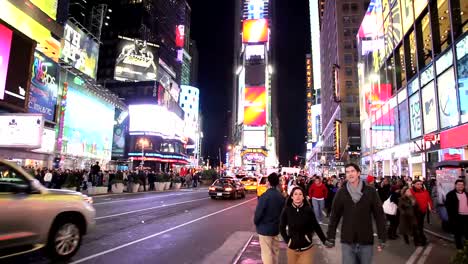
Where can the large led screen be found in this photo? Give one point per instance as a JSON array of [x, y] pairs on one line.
[[88, 125], [43, 90], [120, 131], [255, 106], [80, 50], [255, 31], [137, 60], [5, 45], [180, 36], [47, 6], [462, 63], [21, 130], [31, 28], [255, 74], [429, 108], [407, 14], [403, 116], [378, 95], [254, 139], [447, 99], [415, 116], [155, 120], [371, 30]]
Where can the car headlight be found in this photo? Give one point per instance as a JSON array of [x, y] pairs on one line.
[[88, 199]]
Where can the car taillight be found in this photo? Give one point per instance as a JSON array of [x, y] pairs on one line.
[[228, 189], [212, 188]]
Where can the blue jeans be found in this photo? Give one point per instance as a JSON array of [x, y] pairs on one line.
[[356, 253], [318, 206]]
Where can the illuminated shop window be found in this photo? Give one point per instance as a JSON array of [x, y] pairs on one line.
[[410, 58], [443, 25], [459, 17], [400, 67], [424, 38]]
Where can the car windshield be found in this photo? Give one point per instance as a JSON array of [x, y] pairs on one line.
[[222, 182], [249, 179], [264, 180]]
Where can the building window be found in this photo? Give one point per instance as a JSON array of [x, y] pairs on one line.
[[348, 58], [183, 105], [348, 71], [400, 67], [347, 32], [442, 35], [424, 41], [459, 17], [349, 85], [345, 8], [349, 111], [346, 20], [347, 44], [354, 7], [410, 55]]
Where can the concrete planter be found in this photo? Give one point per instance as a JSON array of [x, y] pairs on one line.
[[176, 186], [134, 187], [100, 190], [159, 186], [142, 189], [167, 185], [118, 187]]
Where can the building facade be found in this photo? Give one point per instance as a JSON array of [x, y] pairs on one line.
[[339, 84], [413, 86]]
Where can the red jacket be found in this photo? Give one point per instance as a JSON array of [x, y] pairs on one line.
[[423, 200], [318, 191]]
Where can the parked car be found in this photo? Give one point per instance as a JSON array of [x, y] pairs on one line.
[[250, 183], [226, 188], [34, 217]]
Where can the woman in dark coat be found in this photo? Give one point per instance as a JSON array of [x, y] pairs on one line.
[[407, 206]]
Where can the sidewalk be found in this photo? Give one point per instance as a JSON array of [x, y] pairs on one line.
[[251, 254]]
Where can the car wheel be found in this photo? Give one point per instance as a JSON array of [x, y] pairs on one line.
[[212, 197], [243, 194], [64, 239], [234, 196]]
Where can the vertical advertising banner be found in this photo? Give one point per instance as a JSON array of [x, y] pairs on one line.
[[80, 50], [137, 60], [43, 90], [415, 116], [337, 140], [309, 96], [255, 106], [5, 45], [180, 36], [120, 130]]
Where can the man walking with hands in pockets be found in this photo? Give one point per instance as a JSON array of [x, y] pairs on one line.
[[357, 204]]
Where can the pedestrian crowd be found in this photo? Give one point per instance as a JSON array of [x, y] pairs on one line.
[[394, 205]]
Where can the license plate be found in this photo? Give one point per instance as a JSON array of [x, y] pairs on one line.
[[219, 194]]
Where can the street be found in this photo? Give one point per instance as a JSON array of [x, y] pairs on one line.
[[188, 227]]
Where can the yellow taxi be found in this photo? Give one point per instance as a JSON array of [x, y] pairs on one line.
[[250, 183], [262, 186]]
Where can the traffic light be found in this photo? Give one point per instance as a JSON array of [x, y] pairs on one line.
[[296, 158]]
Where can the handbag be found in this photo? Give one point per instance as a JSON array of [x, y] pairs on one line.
[[389, 207]]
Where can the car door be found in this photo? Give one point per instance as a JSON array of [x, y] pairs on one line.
[[20, 215]]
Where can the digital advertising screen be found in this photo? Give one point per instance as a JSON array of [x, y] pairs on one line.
[[462, 71], [403, 119], [47, 6], [415, 116], [88, 125], [46, 44], [6, 36], [255, 74], [180, 36], [429, 108], [155, 120], [377, 96], [407, 14], [255, 31], [80, 50], [254, 138], [21, 130], [447, 99], [48, 142], [120, 131], [137, 60], [255, 106], [43, 90]]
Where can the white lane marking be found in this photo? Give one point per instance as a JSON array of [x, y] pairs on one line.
[[159, 233], [144, 198], [239, 255], [414, 256], [150, 208], [425, 254]]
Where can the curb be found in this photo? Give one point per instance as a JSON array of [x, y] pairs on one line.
[[239, 255], [449, 239]]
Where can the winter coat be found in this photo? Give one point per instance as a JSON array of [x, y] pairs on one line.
[[423, 200], [407, 215], [318, 191], [268, 212], [452, 205]]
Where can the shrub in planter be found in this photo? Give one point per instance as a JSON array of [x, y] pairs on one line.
[[117, 186], [159, 182], [462, 255], [177, 183]]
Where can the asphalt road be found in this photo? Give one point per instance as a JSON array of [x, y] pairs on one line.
[[170, 227]]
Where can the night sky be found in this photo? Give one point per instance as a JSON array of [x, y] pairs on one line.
[[212, 26]]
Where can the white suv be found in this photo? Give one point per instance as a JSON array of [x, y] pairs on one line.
[[33, 217]]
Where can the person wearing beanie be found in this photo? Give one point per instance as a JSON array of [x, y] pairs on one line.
[[267, 220]]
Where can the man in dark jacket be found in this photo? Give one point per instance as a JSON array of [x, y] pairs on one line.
[[456, 203], [357, 204], [267, 219]]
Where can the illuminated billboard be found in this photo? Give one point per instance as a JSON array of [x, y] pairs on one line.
[[6, 36], [256, 9], [43, 89], [309, 96], [31, 28], [120, 131], [254, 138], [80, 50], [47, 6], [255, 31], [255, 106], [255, 52], [155, 120], [21, 130], [255, 74], [180, 36], [137, 60], [88, 125]]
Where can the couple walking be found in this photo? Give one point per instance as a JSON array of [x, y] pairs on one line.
[[356, 203]]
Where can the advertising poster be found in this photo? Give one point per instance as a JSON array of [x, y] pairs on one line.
[[429, 108], [403, 116], [5, 45], [407, 14], [21, 130], [255, 106], [447, 99], [415, 116], [462, 63], [120, 131], [80, 50], [137, 60], [43, 90], [88, 125], [445, 179], [255, 31]]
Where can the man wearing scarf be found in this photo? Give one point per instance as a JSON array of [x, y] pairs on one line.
[[357, 203]]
